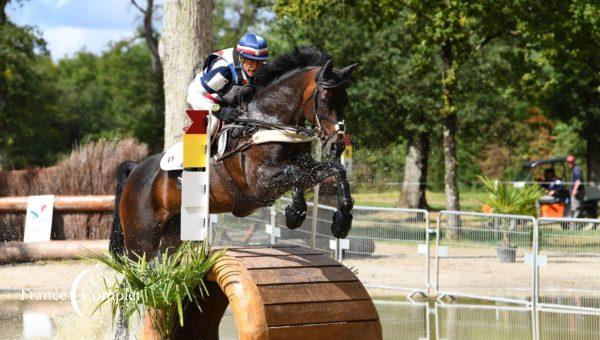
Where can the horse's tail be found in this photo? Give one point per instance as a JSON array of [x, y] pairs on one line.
[[117, 242]]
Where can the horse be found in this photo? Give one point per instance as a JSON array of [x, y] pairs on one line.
[[297, 87]]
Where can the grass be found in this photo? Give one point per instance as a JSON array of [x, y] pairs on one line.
[[162, 285], [469, 200]]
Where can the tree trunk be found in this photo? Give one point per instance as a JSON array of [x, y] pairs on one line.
[[449, 128], [186, 40], [151, 38], [415, 172], [449, 122], [593, 158], [3, 4]]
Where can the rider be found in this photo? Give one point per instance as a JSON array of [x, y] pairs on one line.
[[224, 74]]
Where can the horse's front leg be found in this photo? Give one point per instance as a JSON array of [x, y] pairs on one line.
[[295, 214], [318, 172]]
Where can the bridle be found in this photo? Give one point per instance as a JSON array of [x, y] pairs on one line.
[[317, 129], [322, 85]]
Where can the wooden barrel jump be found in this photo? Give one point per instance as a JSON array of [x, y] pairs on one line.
[[283, 292]]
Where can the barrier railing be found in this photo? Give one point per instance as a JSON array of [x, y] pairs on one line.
[[468, 321], [302, 236], [250, 230], [559, 323], [404, 320], [569, 263], [485, 256], [385, 240], [549, 266]]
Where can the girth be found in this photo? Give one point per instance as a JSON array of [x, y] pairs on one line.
[[243, 202]]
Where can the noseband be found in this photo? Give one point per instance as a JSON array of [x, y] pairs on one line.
[[339, 125]]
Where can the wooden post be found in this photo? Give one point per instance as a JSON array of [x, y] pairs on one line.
[[87, 203]]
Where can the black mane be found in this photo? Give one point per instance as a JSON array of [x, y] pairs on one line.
[[299, 58]]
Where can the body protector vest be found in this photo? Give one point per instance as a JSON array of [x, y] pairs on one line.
[[223, 76]]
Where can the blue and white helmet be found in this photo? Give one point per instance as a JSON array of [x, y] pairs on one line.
[[253, 46]]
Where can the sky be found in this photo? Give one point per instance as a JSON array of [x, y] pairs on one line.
[[70, 25]]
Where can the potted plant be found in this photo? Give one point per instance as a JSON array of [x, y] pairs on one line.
[[505, 198], [161, 285]]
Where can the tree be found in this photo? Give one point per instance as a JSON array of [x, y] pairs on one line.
[[3, 18], [565, 45], [445, 35], [186, 40], [233, 18], [26, 96], [151, 37]]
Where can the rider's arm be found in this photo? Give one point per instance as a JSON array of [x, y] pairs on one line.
[[217, 81], [207, 87]]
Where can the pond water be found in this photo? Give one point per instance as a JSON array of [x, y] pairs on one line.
[[24, 318]]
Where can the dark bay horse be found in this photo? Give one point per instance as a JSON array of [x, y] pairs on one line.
[[295, 88]]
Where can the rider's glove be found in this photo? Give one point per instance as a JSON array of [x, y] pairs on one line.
[[227, 114]]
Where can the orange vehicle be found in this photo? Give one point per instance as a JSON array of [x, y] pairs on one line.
[[552, 175]]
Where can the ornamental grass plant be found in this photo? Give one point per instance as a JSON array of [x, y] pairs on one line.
[[505, 198], [162, 285]]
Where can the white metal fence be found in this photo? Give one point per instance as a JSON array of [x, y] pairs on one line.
[[548, 267], [569, 263], [390, 247], [404, 320], [485, 256], [470, 321]]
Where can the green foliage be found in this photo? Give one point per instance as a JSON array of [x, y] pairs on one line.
[[505, 58], [26, 96], [111, 94], [568, 140], [47, 108], [232, 18], [162, 285], [565, 45], [505, 198]]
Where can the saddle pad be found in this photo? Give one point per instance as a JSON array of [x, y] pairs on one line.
[[173, 157], [279, 136]]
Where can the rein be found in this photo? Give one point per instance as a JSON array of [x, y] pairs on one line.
[[257, 124]]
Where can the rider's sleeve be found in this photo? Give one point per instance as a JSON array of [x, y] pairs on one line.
[[208, 86], [218, 80]]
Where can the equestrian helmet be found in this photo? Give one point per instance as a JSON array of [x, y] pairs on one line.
[[253, 46]]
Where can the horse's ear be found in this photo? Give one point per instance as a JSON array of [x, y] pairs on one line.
[[347, 71], [324, 71]]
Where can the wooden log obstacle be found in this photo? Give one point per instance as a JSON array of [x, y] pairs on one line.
[[282, 292]]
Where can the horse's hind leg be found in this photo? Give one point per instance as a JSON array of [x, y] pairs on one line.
[[171, 236], [271, 177], [295, 214], [143, 235]]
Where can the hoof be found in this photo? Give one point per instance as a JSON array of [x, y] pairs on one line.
[[341, 224], [347, 207], [294, 218]]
